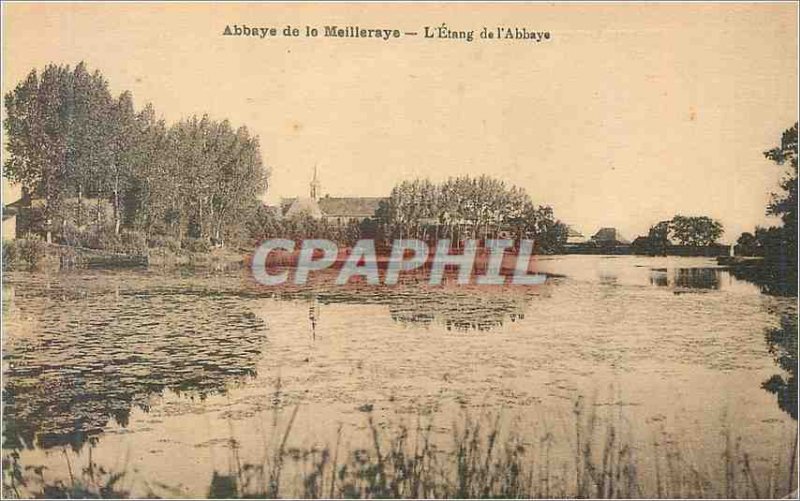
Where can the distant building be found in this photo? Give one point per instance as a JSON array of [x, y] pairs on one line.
[[609, 237], [26, 216], [333, 209], [574, 236], [22, 217], [10, 213], [301, 206], [641, 245], [344, 209]]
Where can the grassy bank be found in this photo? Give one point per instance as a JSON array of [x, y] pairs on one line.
[[597, 458], [33, 254]]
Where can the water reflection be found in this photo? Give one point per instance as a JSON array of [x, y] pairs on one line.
[[95, 356], [659, 277], [412, 302], [697, 278], [782, 344], [771, 280], [459, 308], [97, 352], [460, 312], [687, 278]]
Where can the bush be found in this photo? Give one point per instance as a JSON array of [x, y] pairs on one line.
[[164, 242], [10, 252], [101, 237], [132, 241], [72, 235], [200, 245], [24, 253]]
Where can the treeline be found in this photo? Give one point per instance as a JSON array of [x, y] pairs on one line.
[[687, 231], [95, 171], [466, 207], [458, 209], [91, 162]]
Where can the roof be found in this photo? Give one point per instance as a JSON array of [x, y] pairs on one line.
[[303, 205], [572, 232], [274, 210], [361, 207], [285, 204], [609, 235], [11, 210], [17, 204]]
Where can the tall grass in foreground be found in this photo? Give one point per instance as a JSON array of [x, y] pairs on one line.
[[483, 461], [595, 456]]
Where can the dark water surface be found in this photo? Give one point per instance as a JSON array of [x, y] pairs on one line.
[[157, 373]]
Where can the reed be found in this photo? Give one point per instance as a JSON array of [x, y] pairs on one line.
[[598, 457], [483, 460]]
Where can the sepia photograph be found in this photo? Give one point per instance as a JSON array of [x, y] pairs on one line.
[[404, 250]]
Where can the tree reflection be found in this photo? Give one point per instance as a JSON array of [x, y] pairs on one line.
[[460, 312], [772, 280], [686, 278], [697, 278], [460, 308], [98, 357], [782, 343]]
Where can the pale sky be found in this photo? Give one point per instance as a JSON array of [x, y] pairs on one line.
[[627, 116]]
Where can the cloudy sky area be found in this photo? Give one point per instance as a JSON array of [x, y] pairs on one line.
[[629, 115]]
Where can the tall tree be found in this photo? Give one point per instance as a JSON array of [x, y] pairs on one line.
[[785, 204], [36, 127], [466, 207], [240, 178], [56, 130], [659, 238], [67, 137], [780, 244], [695, 231], [123, 137]]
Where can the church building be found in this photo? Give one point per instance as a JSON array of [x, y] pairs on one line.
[[332, 209]]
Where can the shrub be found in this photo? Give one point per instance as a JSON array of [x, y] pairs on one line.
[[200, 245], [9, 254], [164, 242], [133, 241], [72, 235], [101, 237], [22, 253]]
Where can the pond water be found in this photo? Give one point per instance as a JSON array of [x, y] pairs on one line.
[[159, 374]]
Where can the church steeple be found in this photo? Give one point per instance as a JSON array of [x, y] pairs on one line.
[[315, 185]]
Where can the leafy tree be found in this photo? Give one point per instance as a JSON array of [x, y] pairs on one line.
[[68, 137], [778, 245], [659, 238], [36, 125], [785, 204], [780, 249], [747, 245], [695, 231], [122, 140], [148, 197], [466, 207]]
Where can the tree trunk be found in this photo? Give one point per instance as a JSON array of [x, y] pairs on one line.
[[116, 203], [79, 217], [48, 219]]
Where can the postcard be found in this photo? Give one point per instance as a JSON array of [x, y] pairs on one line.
[[399, 250]]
